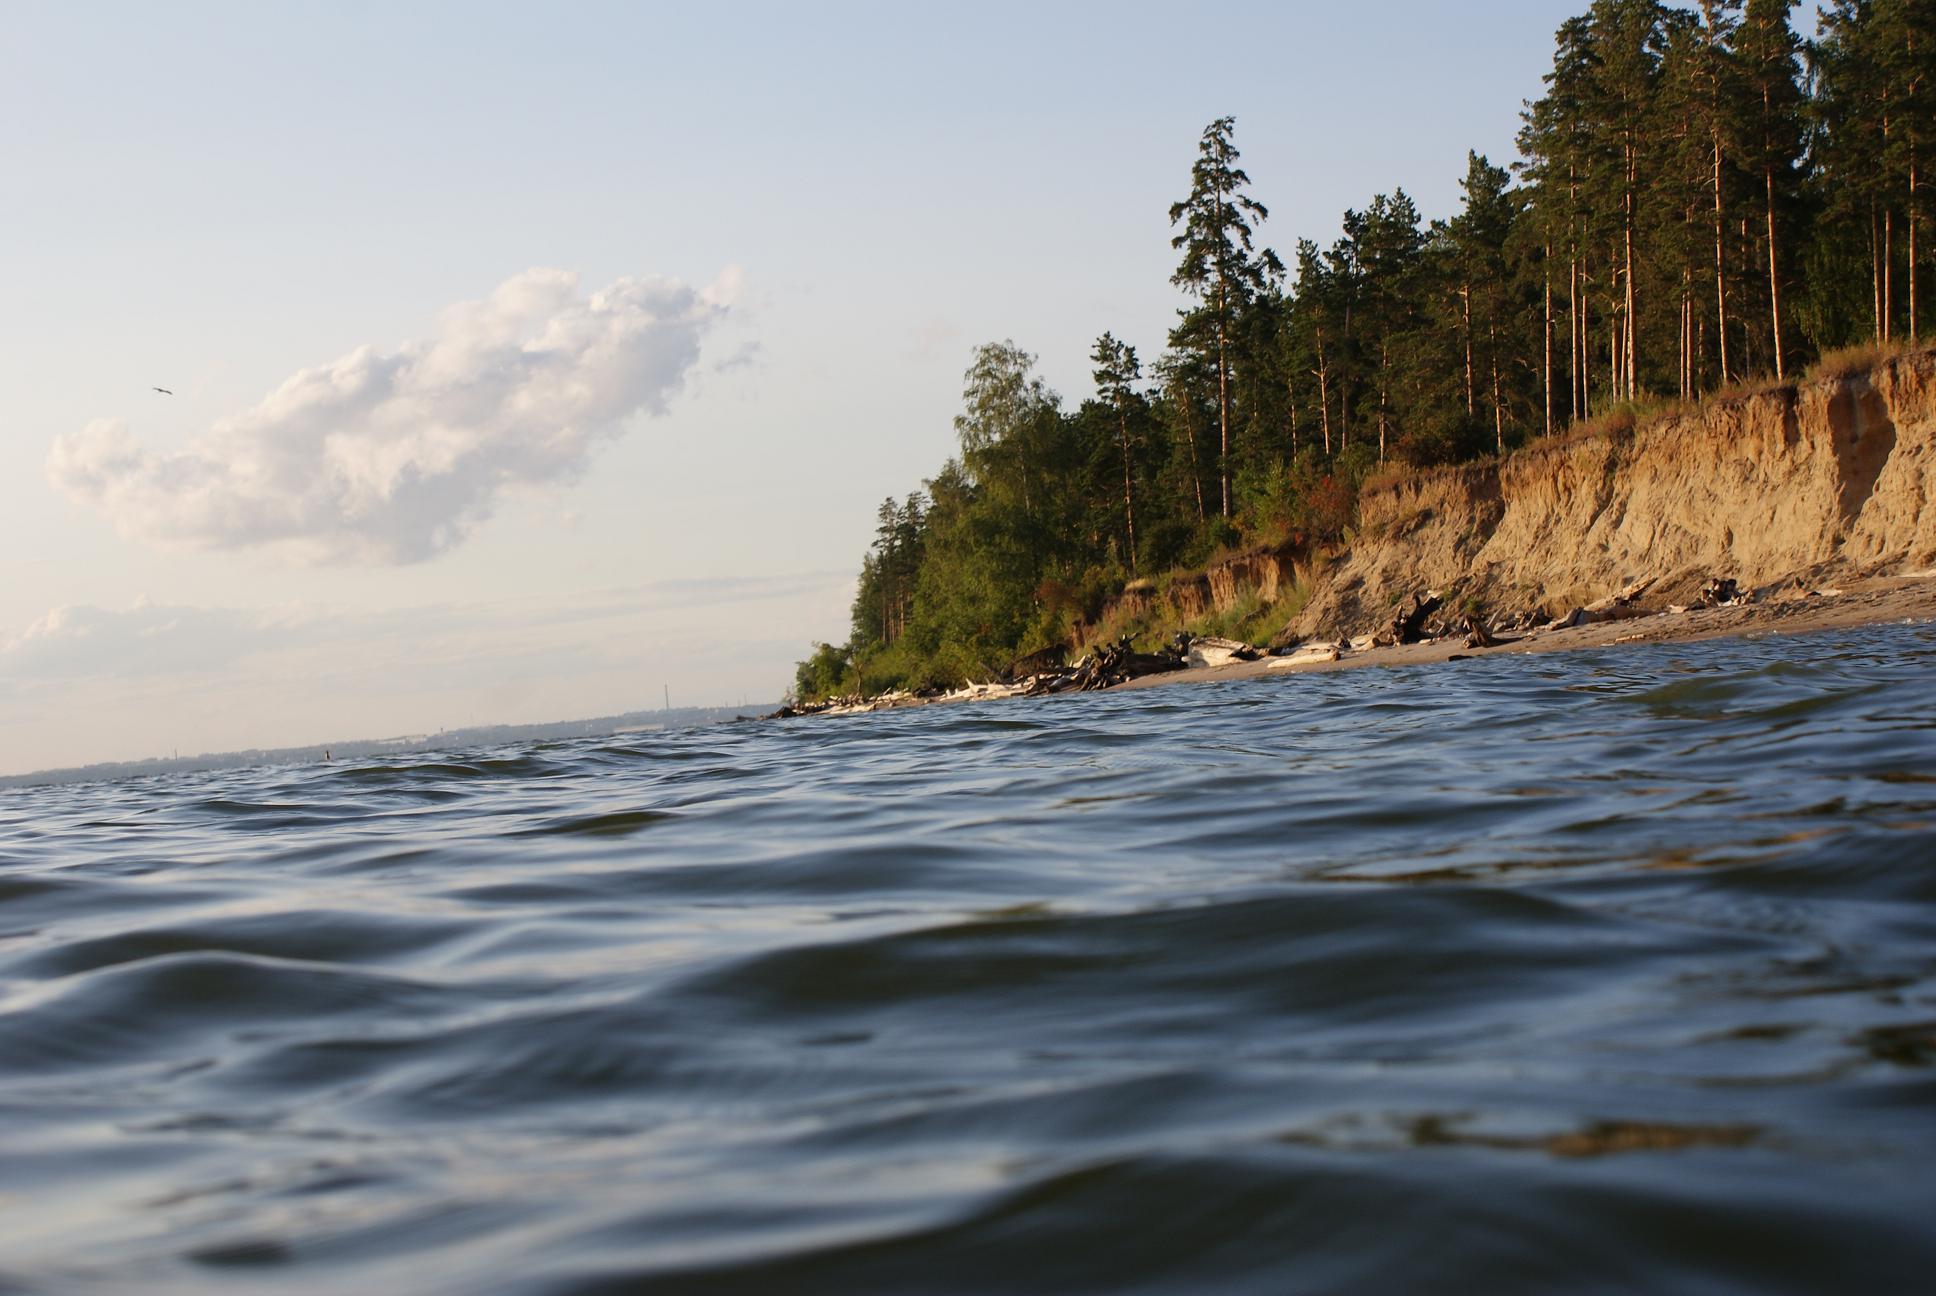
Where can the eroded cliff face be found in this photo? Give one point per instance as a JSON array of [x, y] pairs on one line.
[[1266, 573], [1813, 482]]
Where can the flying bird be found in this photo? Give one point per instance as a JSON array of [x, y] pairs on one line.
[[163, 390]]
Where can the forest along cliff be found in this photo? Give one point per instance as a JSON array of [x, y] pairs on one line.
[[1589, 374], [1814, 482]]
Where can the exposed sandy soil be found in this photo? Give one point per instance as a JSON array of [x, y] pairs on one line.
[[1821, 481], [1872, 601]]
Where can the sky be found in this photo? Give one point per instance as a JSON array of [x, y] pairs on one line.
[[532, 361]]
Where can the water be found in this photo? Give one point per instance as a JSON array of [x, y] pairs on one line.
[[1594, 971]]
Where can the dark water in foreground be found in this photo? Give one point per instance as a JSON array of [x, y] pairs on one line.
[[1593, 971]]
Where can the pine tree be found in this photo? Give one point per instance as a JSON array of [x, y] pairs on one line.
[[886, 533], [1714, 75], [1767, 51], [1904, 39], [1478, 237], [1854, 116], [1385, 244], [1116, 373], [908, 545], [1181, 373], [1627, 38], [1558, 139], [1313, 307], [1220, 266]]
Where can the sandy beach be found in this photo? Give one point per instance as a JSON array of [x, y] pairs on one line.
[[1873, 600]]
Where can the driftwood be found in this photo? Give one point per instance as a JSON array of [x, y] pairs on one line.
[[1210, 651], [1408, 623], [1720, 592], [1108, 665], [1041, 661], [1308, 654]]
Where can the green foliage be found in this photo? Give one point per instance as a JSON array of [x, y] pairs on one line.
[[827, 672], [1692, 208]]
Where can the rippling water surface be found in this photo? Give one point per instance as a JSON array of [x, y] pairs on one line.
[[1592, 970]]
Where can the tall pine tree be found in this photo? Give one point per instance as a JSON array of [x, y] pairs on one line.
[[1220, 267]]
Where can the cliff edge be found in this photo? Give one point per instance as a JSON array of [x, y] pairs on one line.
[[1813, 481]]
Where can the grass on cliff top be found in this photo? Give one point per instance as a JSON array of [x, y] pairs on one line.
[[1865, 358], [1628, 416]]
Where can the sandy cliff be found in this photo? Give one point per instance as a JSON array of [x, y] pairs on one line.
[[1817, 481]]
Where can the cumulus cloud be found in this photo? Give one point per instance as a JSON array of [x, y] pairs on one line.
[[394, 456]]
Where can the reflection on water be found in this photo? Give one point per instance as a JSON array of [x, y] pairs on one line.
[[1598, 971]]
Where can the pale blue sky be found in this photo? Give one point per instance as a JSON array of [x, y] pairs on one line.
[[215, 197]]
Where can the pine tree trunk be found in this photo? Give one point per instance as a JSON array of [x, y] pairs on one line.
[[1616, 334], [1690, 360], [1196, 469], [1498, 414], [1465, 307], [1344, 392], [1720, 265], [1586, 343], [1546, 340], [1912, 248], [1750, 359], [1875, 268], [1129, 503], [1633, 291], [1384, 395], [1914, 139], [1681, 339], [1888, 245], [1700, 353], [1683, 326], [1774, 283], [1888, 272], [1575, 348], [1324, 394], [1572, 341], [1223, 406], [1629, 368], [1223, 372]]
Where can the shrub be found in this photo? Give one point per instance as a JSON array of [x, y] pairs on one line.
[[827, 672], [1846, 362]]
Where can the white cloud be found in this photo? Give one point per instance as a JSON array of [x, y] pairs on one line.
[[394, 457]]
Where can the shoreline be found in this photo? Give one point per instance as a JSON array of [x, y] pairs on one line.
[[1779, 609], [1872, 600]]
